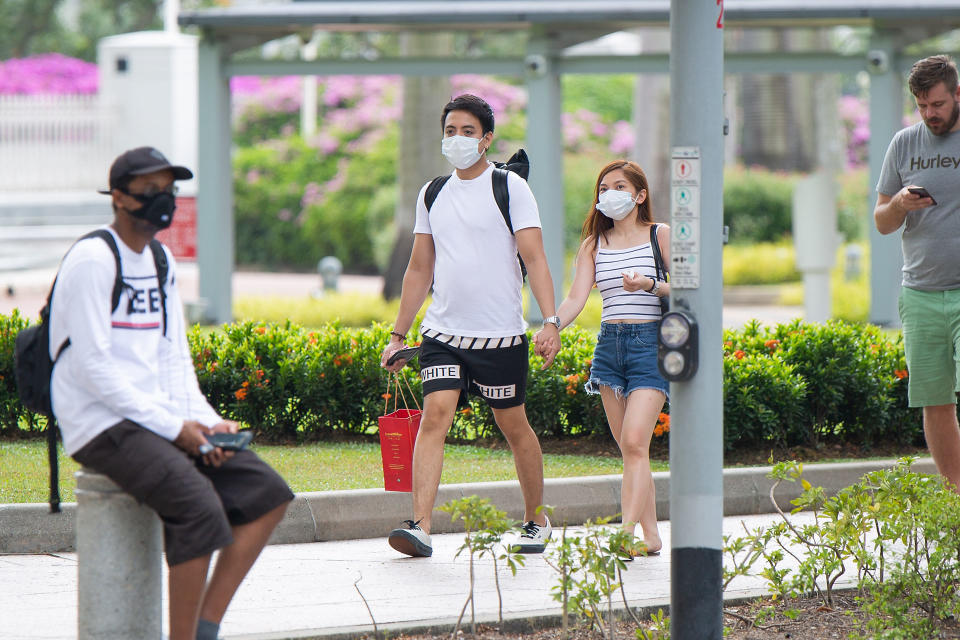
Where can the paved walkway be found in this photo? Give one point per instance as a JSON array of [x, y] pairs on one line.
[[307, 590]]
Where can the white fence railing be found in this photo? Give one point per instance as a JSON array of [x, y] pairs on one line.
[[54, 142]]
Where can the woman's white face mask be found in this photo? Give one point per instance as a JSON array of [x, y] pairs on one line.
[[460, 151], [616, 205]]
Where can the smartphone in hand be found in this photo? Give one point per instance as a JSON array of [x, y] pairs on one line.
[[231, 441], [407, 353], [920, 191]]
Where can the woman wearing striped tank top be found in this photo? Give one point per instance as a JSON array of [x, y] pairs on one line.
[[617, 257]]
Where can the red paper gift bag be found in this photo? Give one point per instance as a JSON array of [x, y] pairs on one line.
[[398, 433]]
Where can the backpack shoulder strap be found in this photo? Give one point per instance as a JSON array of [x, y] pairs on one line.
[[107, 237], [433, 190], [502, 195], [53, 463], [163, 269]]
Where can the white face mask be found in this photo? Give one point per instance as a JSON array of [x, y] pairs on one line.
[[461, 151], [616, 205]]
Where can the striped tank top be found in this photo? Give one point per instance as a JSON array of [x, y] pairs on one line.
[[619, 304]]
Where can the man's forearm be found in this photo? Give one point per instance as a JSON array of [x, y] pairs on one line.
[[889, 217], [416, 285], [541, 285]]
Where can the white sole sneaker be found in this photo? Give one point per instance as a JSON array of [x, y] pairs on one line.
[[412, 542], [533, 539]]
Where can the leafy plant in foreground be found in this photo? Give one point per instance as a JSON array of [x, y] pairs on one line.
[[485, 526]]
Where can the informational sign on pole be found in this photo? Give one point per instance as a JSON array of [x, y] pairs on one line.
[[685, 214]]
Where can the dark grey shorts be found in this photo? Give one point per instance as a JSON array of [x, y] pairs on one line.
[[197, 503]]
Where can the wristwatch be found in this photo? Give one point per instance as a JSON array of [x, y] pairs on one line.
[[655, 288], [554, 320]]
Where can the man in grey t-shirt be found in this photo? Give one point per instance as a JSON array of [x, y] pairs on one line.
[[919, 190]]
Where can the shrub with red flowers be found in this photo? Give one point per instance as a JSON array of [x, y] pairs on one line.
[[805, 383], [786, 385]]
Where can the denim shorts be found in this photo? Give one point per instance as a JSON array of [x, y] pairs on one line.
[[625, 359]]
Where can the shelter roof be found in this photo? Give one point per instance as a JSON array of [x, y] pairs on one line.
[[608, 15]]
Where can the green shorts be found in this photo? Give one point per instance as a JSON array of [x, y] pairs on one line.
[[931, 341]]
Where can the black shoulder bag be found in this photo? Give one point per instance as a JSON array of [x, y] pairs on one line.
[[660, 267]]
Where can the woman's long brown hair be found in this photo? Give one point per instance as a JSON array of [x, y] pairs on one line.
[[596, 223]]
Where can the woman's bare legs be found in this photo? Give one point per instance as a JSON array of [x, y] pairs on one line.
[[632, 421]]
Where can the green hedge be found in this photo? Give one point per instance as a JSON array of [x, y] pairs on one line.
[[793, 384]]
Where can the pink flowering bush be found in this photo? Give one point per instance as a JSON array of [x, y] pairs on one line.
[[300, 199], [855, 117], [48, 73]]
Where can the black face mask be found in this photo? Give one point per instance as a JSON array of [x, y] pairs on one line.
[[157, 209]]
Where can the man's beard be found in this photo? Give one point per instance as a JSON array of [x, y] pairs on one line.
[[945, 127]]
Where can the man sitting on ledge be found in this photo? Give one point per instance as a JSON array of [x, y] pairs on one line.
[[125, 394]]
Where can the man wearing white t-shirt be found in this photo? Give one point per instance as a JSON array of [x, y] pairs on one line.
[[474, 334], [125, 394]]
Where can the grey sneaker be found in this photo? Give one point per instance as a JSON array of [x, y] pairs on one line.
[[411, 540], [534, 537]]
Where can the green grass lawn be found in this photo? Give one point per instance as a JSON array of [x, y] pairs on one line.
[[311, 467]]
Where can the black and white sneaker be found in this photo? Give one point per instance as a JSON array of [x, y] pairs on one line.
[[411, 540], [534, 537]]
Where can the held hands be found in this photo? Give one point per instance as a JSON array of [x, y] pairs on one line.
[[547, 343], [192, 439], [633, 281]]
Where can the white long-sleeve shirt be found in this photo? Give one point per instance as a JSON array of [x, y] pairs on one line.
[[120, 365]]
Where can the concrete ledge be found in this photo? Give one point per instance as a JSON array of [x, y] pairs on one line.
[[370, 513], [31, 528]]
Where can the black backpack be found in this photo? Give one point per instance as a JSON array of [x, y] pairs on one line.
[[519, 163], [33, 365]]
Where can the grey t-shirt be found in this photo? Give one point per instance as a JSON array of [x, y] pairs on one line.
[[931, 236]]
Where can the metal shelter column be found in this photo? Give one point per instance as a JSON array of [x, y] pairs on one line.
[[696, 405], [545, 145], [215, 242], [886, 118]]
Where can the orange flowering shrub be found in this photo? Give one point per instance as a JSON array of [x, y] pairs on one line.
[[804, 383], [795, 383], [663, 425]]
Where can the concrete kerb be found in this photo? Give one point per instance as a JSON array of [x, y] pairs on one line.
[[370, 513], [525, 622]]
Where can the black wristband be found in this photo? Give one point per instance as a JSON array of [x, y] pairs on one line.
[[653, 286], [399, 335]]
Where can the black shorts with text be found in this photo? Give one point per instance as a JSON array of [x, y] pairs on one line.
[[498, 375]]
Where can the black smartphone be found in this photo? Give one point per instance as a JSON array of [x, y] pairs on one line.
[[920, 191], [231, 441], [407, 353]]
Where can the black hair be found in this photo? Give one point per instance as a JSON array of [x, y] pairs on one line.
[[473, 105]]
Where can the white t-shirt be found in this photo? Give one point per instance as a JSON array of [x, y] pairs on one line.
[[120, 366], [476, 275]]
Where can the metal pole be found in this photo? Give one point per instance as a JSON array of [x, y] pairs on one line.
[[696, 406], [171, 9], [214, 185], [886, 116], [119, 572], [544, 143]]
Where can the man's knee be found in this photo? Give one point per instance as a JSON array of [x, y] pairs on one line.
[[439, 409], [200, 528], [512, 419], [940, 416]]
